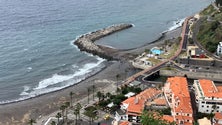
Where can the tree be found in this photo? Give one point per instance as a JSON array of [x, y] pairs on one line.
[[31, 121], [149, 118], [117, 79], [91, 113], [71, 97], [62, 108], [58, 115], [108, 94], [93, 88], [88, 90], [53, 123], [99, 95], [76, 112], [67, 104], [78, 106]]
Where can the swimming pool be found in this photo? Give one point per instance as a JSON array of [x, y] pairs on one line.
[[156, 51]]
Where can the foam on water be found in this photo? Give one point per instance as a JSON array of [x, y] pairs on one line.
[[57, 82], [176, 24]]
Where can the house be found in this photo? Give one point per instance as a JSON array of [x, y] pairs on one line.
[[178, 98], [218, 118], [208, 96], [195, 52], [132, 108], [219, 49]]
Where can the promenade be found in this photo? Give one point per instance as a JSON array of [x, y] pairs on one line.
[[148, 70]]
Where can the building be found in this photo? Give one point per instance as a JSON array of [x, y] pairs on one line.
[[195, 52], [132, 108], [217, 119], [178, 98], [208, 96], [219, 49]]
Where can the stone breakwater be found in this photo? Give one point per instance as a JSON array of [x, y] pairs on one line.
[[86, 42]]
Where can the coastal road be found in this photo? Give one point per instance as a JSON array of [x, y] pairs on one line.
[[154, 68]]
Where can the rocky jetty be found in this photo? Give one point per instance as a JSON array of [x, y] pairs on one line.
[[86, 42]]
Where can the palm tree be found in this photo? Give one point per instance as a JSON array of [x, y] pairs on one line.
[[58, 115], [117, 79], [108, 94], [67, 104], [62, 108], [99, 95], [53, 123], [71, 96], [88, 90], [93, 88], [78, 106], [76, 112], [31, 121]]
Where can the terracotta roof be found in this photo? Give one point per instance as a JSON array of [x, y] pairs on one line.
[[179, 88], [168, 118], [218, 116], [148, 93], [209, 89], [124, 123], [219, 88], [136, 103]]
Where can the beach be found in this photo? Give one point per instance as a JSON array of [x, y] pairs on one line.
[[41, 107]]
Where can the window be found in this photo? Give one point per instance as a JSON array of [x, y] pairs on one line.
[[187, 114], [218, 107], [207, 106], [177, 113], [202, 106], [207, 110]]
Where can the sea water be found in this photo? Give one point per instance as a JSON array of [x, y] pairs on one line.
[[36, 51]]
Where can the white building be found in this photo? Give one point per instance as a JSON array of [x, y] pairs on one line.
[[208, 96], [219, 49]]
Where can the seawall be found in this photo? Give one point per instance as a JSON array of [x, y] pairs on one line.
[[86, 42]]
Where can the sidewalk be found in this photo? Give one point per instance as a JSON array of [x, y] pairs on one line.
[[84, 102]]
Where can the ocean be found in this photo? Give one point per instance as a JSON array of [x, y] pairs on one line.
[[37, 54]]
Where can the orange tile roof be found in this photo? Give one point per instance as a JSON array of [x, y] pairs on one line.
[[148, 93], [160, 101], [124, 123], [179, 88], [209, 89], [168, 118], [218, 116], [136, 103], [219, 88]]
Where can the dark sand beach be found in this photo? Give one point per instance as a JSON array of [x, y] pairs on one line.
[[41, 107]]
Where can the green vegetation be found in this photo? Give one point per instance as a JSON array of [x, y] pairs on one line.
[[150, 118], [210, 32], [208, 10]]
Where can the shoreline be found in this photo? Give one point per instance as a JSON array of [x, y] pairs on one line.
[[47, 103]]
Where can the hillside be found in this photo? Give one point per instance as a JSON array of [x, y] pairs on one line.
[[210, 30]]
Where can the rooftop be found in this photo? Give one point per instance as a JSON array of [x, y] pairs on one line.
[[218, 115], [180, 90], [209, 89], [168, 118]]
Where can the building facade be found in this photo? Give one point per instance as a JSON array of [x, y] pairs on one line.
[[177, 95], [208, 96], [219, 49]]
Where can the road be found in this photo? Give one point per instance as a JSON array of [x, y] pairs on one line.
[[154, 68]]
